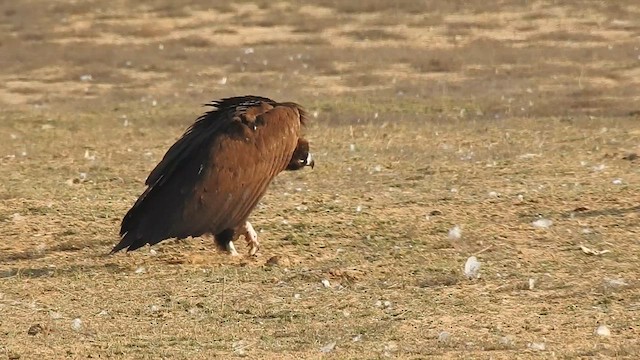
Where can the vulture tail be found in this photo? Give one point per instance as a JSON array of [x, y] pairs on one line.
[[156, 216]]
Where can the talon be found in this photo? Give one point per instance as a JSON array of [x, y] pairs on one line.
[[254, 249]]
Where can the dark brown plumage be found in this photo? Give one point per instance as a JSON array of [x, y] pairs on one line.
[[210, 180]]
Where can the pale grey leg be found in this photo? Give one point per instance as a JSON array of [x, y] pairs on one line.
[[251, 236], [232, 249]]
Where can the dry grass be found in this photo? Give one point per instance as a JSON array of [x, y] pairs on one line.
[[483, 116]]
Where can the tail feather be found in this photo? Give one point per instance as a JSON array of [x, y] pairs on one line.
[[156, 215]]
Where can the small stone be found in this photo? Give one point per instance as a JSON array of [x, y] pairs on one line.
[[16, 217], [326, 283], [239, 348], [278, 261], [35, 329], [602, 330], [444, 337], [55, 315], [76, 324], [389, 348], [328, 347], [472, 268], [590, 251], [542, 223], [140, 270], [455, 233], [537, 346], [532, 284], [615, 283]]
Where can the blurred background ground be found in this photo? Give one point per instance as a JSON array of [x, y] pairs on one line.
[[516, 121]]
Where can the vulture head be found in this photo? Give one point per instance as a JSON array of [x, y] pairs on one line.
[[301, 156]]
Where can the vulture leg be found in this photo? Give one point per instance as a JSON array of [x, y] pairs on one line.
[[224, 240], [251, 237], [232, 249]]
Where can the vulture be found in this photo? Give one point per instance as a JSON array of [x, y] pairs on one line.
[[211, 179]]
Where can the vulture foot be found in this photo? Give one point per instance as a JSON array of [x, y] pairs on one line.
[[251, 236]]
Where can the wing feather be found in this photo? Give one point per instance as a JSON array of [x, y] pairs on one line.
[[200, 133]]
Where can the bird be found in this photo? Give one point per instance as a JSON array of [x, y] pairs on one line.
[[211, 178]]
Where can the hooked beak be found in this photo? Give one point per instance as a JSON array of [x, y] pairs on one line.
[[310, 161]]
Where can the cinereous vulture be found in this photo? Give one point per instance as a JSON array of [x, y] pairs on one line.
[[210, 180]]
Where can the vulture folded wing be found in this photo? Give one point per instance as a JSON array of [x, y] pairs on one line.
[[241, 169], [193, 140], [200, 133]]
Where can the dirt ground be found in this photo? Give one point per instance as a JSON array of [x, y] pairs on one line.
[[506, 130]]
